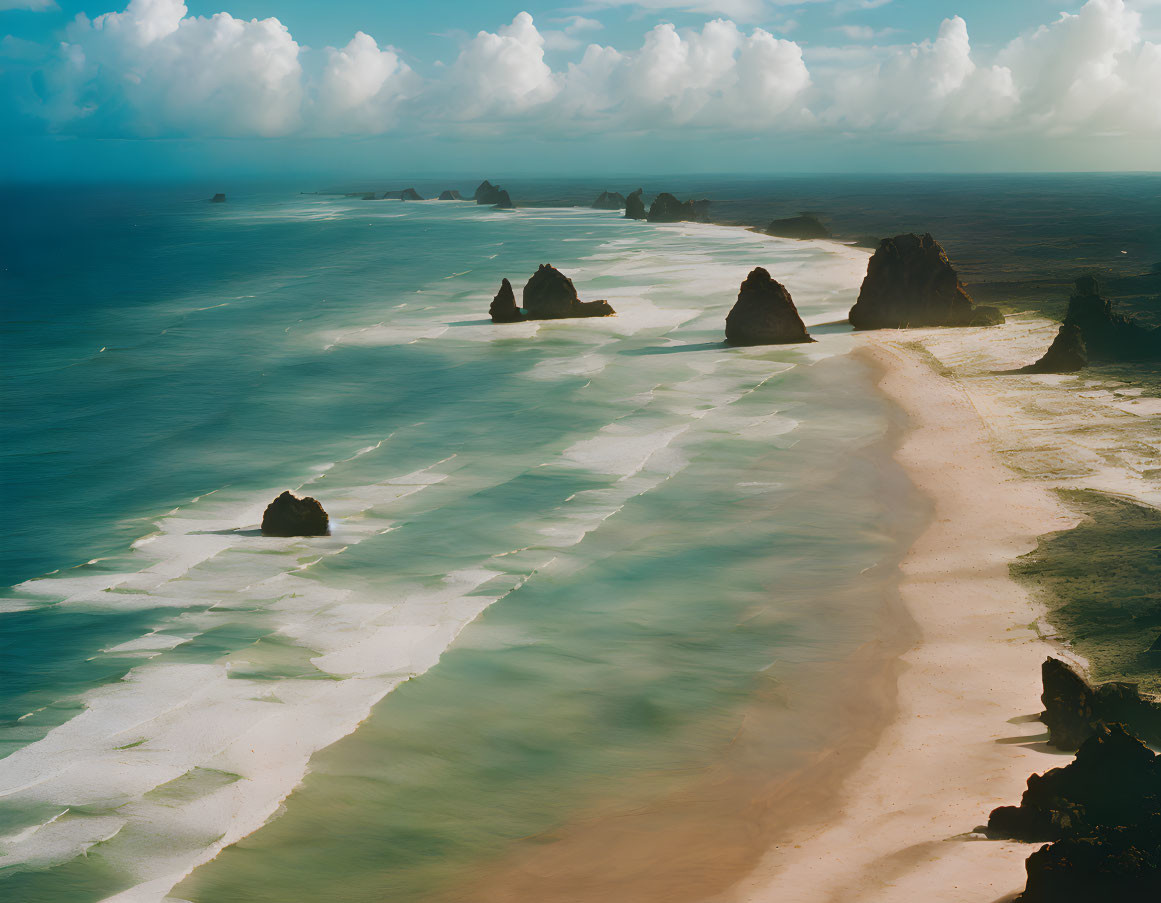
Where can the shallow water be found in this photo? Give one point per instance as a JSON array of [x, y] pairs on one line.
[[644, 529]]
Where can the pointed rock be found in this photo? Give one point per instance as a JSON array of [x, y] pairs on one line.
[[504, 309], [1066, 354], [550, 295], [450, 194], [503, 201], [764, 314], [635, 206], [609, 201]]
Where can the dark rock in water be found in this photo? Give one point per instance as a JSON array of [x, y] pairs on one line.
[[635, 206], [504, 309], [1114, 863], [450, 194], [804, 226], [407, 194], [370, 196], [1074, 709], [986, 316], [550, 295], [487, 193], [289, 515], [1108, 335], [1114, 781], [668, 209], [910, 282], [764, 314], [1066, 354], [503, 202], [218, 199], [609, 201]]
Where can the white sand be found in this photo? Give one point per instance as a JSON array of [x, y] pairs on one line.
[[962, 742]]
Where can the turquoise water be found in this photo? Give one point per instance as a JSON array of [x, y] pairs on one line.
[[566, 559]]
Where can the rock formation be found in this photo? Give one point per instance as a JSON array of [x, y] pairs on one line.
[[609, 201], [1108, 335], [986, 316], [803, 226], [1074, 709], [370, 196], [406, 194], [1103, 812], [550, 295], [503, 201], [487, 193], [218, 198], [764, 314], [668, 209], [635, 206], [910, 282], [504, 309], [289, 515], [1066, 354], [450, 194]]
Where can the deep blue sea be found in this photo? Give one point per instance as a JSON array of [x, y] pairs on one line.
[[568, 559]]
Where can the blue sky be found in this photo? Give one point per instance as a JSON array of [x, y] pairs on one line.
[[162, 88]]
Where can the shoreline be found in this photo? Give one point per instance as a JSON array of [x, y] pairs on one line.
[[965, 737]]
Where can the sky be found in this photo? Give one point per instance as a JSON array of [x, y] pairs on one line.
[[116, 89]]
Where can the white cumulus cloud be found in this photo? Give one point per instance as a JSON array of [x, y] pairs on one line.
[[362, 88]]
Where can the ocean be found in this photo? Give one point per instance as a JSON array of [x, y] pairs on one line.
[[571, 562]]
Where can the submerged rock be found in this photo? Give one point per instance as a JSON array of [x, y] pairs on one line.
[[804, 226], [910, 282], [1066, 354], [450, 194], [487, 193], [609, 201], [550, 295], [290, 515], [764, 314], [504, 309], [503, 202], [218, 198], [635, 206], [668, 209], [1074, 709]]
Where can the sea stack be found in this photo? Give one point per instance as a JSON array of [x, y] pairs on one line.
[[764, 314], [1066, 354], [609, 201], [407, 194], [503, 201], [668, 209], [450, 194], [504, 309], [550, 295], [802, 227], [218, 198], [487, 194], [290, 515], [635, 206], [910, 282], [1108, 335]]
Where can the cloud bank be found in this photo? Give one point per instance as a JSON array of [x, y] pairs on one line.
[[154, 70]]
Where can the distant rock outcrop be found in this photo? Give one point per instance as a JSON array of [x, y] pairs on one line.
[[1108, 335], [1074, 709], [550, 295], [289, 515], [910, 282], [986, 316], [804, 226], [504, 309], [764, 314], [668, 209], [503, 201], [487, 193], [406, 194], [609, 201], [1066, 354], [218, 198], [370, 196], [1103, 812], [635, 206], [450, 194]]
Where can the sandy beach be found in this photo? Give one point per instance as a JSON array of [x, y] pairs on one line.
[[965, 738]]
